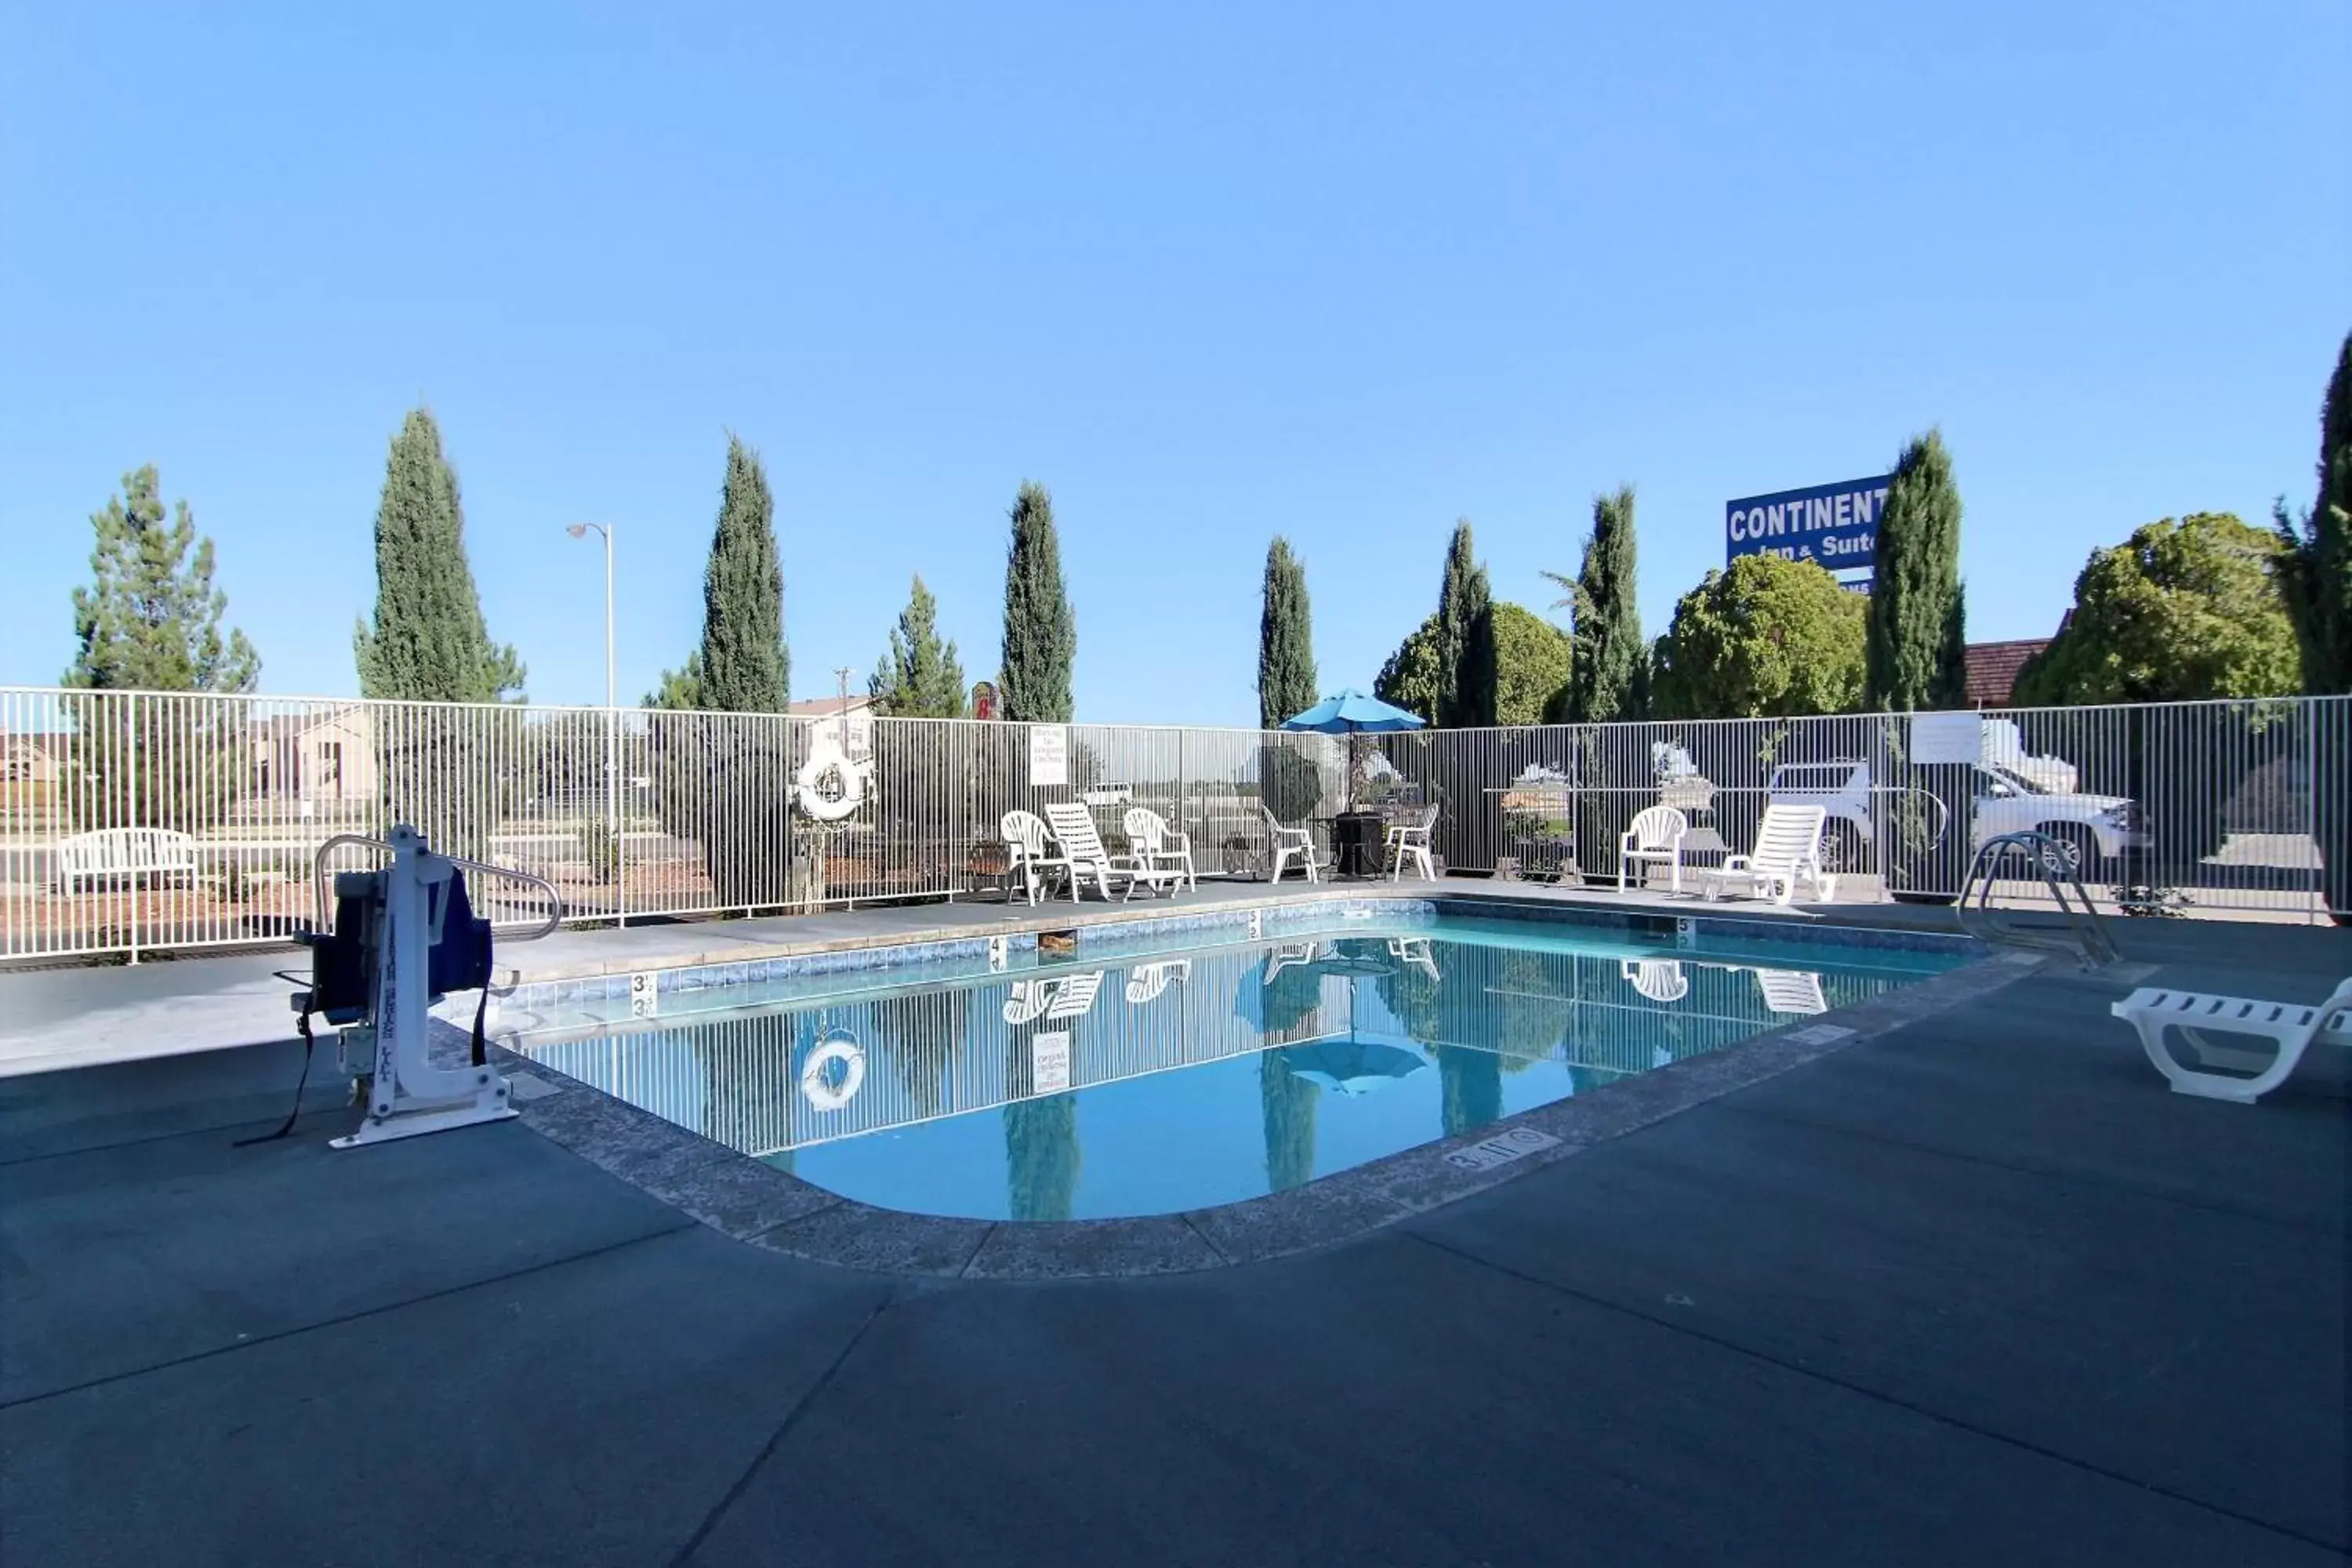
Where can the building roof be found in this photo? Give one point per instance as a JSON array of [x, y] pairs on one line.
[[827, 706], [1992, 668]]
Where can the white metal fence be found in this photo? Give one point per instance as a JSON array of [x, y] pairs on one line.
[[135, 821]]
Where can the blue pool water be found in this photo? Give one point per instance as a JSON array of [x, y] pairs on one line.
[[1178, 1080]]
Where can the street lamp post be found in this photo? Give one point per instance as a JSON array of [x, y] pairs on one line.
[[612, 721]]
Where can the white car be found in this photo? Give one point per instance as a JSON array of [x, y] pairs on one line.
[[2099, 827]]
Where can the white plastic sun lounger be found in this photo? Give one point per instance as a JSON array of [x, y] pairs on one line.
[[1074, 830], [1064, 997], [2291, 1029], [1145, 981], [1787, 853]]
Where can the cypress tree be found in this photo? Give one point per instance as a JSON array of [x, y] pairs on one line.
[[2316, 569], [150, 620], [1609, 673], [1915, 652], [920, 676], [1285, 639], [1040, 634], [1464, 643], [1286, 1107], [428, 642], [746, 667]]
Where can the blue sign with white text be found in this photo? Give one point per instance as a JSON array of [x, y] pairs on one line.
[[1836, 526]]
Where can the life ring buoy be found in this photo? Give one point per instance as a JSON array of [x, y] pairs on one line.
[[816, 1083], [827, 758]]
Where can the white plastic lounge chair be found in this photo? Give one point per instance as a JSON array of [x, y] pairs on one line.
[[1288, 954], [1788, 853], [1409, 840], [1064, 997], [1074, 830], [1791, 991], [1655, 838], [1035, 859], [1145, 981], [1153, 846], [2292, 1029], [1289, 843], [1657, 979]]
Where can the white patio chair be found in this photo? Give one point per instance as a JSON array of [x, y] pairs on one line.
[[1034, 857], [1414, 950], [1657, 979], [1655, 838], [1791, 991], [1064, 997], [1290, 843], [1287, 955], [2291, 1029], [1787, 853], [1074, 830], [1154, 846], [1409, 840], [1145, 981]]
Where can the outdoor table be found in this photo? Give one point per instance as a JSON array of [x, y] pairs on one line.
[[1357, 839]]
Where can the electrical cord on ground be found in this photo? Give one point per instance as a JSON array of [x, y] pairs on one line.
[[302, 1026]]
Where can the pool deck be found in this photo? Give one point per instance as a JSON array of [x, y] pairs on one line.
[[1974, 1289]]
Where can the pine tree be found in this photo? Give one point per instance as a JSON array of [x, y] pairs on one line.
[[1465, 637], [920, 676], [1609, 675], [1040, 634], [428, 642], [746, 667], [150, 618], [1285, 639], [2316, 569], [1916, 648]]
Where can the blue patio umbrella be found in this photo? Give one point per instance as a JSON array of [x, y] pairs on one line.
[[1352, 1067], [1351, 712]]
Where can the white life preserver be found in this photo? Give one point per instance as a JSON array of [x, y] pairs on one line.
[[826, 757], [822, 1093]]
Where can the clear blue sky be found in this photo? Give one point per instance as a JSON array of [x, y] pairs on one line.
[[1210, 272]]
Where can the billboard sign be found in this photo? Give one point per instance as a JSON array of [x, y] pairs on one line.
[[1836, 526]]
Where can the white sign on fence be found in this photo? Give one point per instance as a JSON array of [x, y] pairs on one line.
[[1049, 756], [644, 995], [1946, 738], [1049, 1062]]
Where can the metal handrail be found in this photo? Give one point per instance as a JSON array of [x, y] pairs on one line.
[[532, 933], [2086, 936]]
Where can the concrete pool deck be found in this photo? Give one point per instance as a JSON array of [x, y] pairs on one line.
[[1975, 1289]]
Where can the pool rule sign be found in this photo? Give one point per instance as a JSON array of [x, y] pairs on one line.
[[1834, 526]]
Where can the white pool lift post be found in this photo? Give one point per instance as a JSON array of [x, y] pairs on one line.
[[402, 912]]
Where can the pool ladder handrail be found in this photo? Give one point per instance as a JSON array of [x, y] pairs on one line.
[[2086, 936], [320, 878]]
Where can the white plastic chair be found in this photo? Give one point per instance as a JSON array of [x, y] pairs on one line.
[[1145, 981], [1655, 838], [1152, 846], [2292, 1029], [1409, 840], [1787, 852], [1791, 991], [1656, 979], [1064, 997], [1290, 843], [1074, 830], [1026, 840], [1414, 950]]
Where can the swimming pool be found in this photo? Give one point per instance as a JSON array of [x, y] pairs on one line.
[[1135, 1078]]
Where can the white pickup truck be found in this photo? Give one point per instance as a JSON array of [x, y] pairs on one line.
[[2099, 827]]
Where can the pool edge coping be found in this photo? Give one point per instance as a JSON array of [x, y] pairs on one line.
[[755, 1202]]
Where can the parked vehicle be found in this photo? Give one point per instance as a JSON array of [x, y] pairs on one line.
[[2098, 827]]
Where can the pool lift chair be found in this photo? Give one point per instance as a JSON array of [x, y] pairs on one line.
[[401, 938]]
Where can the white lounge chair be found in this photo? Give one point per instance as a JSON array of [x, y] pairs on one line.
[[1655, 979], [1409, 840], [1074, 830], [1787, 855], [1413, 951], [1290, 843], [1064, 997], [1655, 838], [1145, 981], [1795, 991], [1153, 846], [2292, 1029], [1035, 859], [1287, 955]]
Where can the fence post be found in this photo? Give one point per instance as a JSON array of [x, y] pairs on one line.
[[131, 805]]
